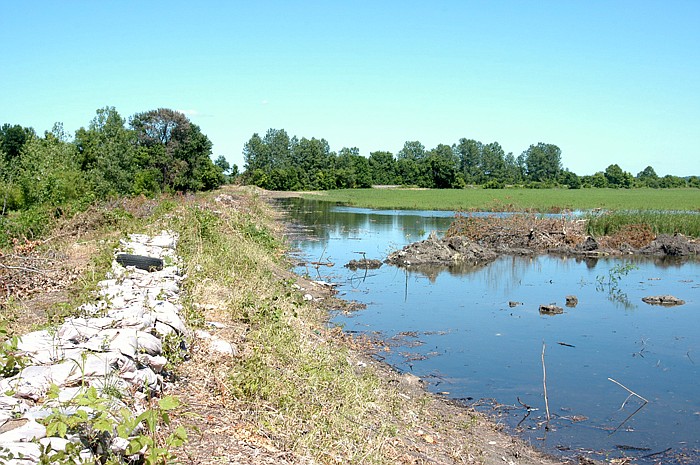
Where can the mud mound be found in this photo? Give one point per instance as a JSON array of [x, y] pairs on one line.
[[445, 251], [520, 232], [676, 245]]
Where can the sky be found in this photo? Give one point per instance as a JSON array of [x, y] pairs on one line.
[[606, 81]]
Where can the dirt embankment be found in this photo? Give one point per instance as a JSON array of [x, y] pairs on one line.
[[477, 241]]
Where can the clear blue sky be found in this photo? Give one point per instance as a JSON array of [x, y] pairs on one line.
[[606, 81]]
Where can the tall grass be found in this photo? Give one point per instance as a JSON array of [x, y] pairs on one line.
[[659, 222]]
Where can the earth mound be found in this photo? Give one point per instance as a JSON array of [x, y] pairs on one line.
[[442, 251]]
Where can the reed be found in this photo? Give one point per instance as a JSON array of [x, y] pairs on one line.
[[660, 222]]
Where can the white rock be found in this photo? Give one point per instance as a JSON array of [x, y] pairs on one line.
[[201, 334], [28, 431], [167, 313], [149, 343], [29, 451], [147, 378], [163, 329], [223, 347], [156, 363], [56, 444]]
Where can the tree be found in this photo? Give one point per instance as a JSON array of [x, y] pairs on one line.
[[616, 177], [469, 153], [106, 153], [13, 138], [383, 168], [441, 168], [543, 162], [178, 148], [648, 177], [570, 179], [412, 150], [493, 162], [256, 154]]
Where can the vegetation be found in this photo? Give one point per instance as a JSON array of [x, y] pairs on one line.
[[46, 178], [280, 162], [527, 200]]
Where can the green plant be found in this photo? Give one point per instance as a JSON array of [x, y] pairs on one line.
[[611, 283], [10, 362], [95, 419]]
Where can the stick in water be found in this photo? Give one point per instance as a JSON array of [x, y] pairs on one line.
[[544, 383]]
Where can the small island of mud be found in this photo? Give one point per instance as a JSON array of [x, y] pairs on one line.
[[478, 241]]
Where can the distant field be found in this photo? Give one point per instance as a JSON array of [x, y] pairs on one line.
[[537, 200]]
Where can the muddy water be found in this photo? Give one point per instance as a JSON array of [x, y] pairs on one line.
[[457, 330]]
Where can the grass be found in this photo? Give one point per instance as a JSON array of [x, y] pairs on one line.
[[537, 200], [658, 222], [297, 385]]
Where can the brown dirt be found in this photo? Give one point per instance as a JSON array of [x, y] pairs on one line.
[[479, 240]]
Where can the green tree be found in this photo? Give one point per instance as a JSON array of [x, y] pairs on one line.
[[648, 177], [570, 179], [543, 162], [493, 162], [383, 168], [412, 150], [13, 138], [669, 181], [106, 153], [469, 152], [441, 166], [49, 173], [616, 177], [185, 159]]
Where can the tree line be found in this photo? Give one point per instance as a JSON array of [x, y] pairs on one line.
[[154, 152], [277, 161]]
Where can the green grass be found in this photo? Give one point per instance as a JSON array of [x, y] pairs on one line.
[[537, 200], [660, 223]]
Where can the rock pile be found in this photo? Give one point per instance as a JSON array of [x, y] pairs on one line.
[[116, 345]]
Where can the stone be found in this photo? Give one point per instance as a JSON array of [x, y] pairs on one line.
[[550, 310], [664, 300], [571, 301], [223, 347], [23, 430]]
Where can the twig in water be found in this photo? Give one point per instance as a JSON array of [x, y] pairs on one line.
[[544, 383], [632, 393]]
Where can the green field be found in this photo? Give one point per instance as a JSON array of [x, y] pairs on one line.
[[532, 200]]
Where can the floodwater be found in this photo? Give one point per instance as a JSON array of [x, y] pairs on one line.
[[456, 329]]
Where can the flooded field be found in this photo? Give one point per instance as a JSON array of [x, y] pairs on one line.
[[621, 375]]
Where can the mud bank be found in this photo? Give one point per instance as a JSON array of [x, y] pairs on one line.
[[478, 241]]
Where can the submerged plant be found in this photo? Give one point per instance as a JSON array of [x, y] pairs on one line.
[[611, 283]]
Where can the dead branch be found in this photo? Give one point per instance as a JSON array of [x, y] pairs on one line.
[[544, 383]]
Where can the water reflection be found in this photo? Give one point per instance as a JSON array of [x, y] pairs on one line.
[[467, 340]]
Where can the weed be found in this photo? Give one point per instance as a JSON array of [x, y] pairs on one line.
[[611, 283], [10, 362], [97, 419]]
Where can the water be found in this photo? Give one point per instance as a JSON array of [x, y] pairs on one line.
[[455, 329]]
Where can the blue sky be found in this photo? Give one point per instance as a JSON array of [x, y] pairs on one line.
[[606, 81]]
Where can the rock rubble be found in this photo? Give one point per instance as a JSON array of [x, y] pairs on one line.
[[117, 343]]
